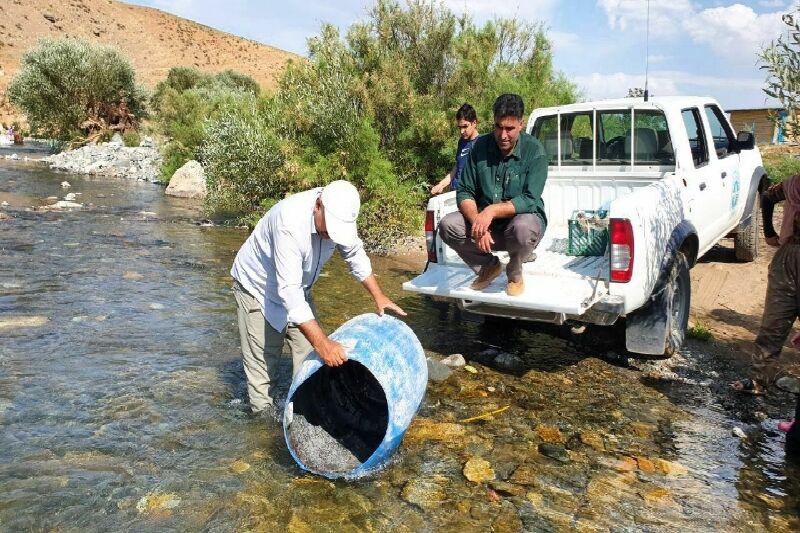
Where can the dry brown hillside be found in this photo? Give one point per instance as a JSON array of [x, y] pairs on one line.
[[155, 41]]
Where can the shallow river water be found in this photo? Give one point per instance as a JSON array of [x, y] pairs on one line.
[[123, 403]]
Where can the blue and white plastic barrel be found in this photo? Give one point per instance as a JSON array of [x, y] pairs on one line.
[[362, 408]]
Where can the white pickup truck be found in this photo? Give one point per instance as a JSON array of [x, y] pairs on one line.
[[673, 178]]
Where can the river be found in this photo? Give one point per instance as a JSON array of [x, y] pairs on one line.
[[123, 402]]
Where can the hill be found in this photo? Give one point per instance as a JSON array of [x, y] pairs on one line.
[[153, 40]]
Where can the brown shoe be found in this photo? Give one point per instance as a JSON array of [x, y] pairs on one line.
[[486, 276], [515, 288]]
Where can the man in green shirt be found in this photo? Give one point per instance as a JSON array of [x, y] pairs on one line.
[[499, 199]]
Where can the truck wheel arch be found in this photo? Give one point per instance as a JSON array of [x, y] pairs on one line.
[[759, 182], [647, 328]]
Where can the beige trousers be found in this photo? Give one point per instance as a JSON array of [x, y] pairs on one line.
[[262, 346]]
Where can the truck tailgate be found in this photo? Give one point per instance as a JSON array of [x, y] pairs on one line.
[[568, 294]]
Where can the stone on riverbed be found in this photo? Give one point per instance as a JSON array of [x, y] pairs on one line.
[[437, 371], [424, 493], [478, 470], [455, 360]]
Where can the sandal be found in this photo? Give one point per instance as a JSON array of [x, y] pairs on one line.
[[748, 386]]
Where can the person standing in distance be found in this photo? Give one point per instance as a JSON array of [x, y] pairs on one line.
[[273, 274], [467, 123]]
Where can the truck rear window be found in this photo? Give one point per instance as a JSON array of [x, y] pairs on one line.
[[614, 141]]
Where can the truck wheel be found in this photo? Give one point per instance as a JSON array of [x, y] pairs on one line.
[[745, 243], [678, 292]]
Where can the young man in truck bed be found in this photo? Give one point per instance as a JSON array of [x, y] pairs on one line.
[[499, 199]]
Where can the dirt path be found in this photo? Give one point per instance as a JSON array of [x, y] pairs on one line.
[[728, 299]]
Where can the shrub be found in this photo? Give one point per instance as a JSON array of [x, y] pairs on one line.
[[131, 138], [778, 169], [181, 79], [64, 84], [182, 119], [243, 160]]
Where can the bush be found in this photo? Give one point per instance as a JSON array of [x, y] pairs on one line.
[[781, 167], [131, 139], [63, 84], [181, 79], [243, 160], [182, 119]]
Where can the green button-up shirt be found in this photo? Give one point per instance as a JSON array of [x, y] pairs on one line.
[[490, 178]]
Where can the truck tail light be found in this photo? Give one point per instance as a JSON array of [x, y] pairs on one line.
[[621, 233], [430, 243]]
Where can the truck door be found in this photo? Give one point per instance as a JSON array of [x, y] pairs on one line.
[[703, 180], [726, 161]]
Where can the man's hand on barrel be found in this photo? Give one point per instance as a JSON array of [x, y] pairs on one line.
[[385, 304], [332, 353], [381, 301]]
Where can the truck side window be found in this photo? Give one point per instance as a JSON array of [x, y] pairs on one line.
[[720, 131], [697, 138]]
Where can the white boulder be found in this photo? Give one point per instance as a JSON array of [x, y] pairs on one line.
[[189, 181]]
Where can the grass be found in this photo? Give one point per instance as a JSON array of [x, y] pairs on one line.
[[700, 332]]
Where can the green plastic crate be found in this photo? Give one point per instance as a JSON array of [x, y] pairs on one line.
[[586, 239]]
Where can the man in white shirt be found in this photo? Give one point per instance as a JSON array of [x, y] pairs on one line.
[[273, 274]]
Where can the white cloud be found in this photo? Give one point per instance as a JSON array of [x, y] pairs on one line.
[[562, 40], [632, 14], [734, 31]]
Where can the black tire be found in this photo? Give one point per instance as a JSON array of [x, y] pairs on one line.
[[678, 301], [745, 242]]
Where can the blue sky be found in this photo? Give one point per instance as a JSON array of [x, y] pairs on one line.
[[697, 47]]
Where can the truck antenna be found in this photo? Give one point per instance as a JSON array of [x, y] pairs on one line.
[[647, 55]]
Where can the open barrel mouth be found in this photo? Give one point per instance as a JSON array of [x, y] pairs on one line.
[[340, 417]]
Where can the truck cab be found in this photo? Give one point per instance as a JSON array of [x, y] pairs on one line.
[[672, 178]]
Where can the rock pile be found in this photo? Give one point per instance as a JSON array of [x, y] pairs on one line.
[[111, 159]]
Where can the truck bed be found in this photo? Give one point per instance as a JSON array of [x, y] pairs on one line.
[[555, 282]]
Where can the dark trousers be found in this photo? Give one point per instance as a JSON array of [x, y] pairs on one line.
[[781, 308], [518, 236]]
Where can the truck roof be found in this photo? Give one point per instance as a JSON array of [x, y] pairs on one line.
[[657, 102]]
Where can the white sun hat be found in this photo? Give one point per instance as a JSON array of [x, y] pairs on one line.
[[342, 202]]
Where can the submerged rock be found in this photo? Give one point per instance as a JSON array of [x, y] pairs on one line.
[[438, 372], [423, 429], [455, 360], [156, 501], [554, 451], [478, 470], [424, 493]]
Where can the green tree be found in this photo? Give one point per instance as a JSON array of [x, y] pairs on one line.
[[781, 60], [64, 83]]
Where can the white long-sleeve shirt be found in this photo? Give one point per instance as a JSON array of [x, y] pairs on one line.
[[283, 257]]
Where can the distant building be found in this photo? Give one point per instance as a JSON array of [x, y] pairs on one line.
[[758, 121]]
